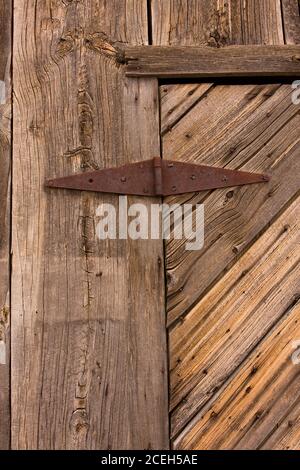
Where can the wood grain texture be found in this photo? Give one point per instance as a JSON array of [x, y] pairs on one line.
[[208, 62], [254, 128], [259, 408], [216, 23], [177, 100], [228, 323], [88, 336], [5, 180], [219, 323], [269, 19], [286, 436], [291, 21]]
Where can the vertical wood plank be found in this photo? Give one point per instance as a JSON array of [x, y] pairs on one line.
[[216, 23], [5, 157], [253, 22], [291, 21], [88, 333]]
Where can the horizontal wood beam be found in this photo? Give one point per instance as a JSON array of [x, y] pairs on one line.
[[208, 62]]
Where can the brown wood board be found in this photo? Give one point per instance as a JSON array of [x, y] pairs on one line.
[[213, 338], [87, 317], [88, 336], [5, 202], [208, 62]]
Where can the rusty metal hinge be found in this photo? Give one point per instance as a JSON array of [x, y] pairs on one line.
[[157, 177]]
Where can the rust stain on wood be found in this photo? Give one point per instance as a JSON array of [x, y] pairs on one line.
[[83, 312], [233, 308], [157, 177]]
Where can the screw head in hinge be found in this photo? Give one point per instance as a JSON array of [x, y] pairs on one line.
[[157, 177]]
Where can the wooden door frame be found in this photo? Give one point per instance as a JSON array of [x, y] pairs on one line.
[[134, 428]]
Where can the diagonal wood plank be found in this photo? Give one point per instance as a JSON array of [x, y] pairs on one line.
[[279, 416], [177, 100], [84, 315], [5, 189], [256, 134], [242, 409], [233, 317], [204, 134], [235, 23], [275, 416], [287, 435]]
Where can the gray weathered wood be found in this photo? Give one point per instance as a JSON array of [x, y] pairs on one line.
[[207, 62], [5, 157], [88, 340]]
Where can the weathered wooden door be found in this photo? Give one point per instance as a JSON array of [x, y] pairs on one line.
[[83, 336], [233, 308]]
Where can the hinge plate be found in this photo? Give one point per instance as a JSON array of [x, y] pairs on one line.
[[157, 177]]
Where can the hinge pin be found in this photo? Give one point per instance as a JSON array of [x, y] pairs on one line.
[[158, 177]]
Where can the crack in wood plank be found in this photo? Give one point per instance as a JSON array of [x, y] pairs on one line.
[[183, 23]]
